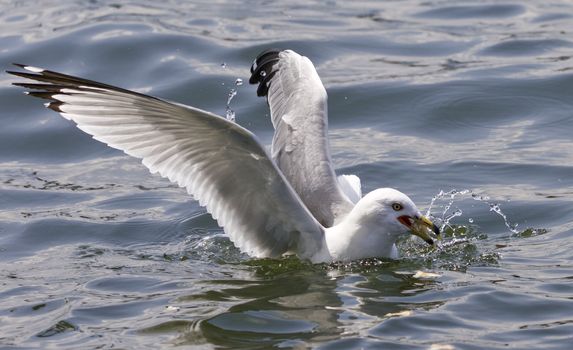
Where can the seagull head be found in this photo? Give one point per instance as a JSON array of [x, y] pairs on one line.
[[392, 209]]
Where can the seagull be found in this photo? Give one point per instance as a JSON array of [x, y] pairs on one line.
[[288, 201]]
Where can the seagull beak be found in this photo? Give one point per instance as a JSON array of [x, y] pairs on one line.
[[420, 226]]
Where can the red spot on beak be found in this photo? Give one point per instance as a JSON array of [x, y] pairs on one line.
[[405, 220]]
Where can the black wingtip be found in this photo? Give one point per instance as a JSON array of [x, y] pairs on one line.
[[21, 74], [55, 106], [46, 95], [20, 65], [263, 56], [262, 70], [27, 68]]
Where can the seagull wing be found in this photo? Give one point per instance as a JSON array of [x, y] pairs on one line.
[[298, 105], [220, 163]]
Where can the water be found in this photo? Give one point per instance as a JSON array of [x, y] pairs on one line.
[[429, 97]]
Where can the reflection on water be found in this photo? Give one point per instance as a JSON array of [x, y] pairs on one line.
[[301, 304]]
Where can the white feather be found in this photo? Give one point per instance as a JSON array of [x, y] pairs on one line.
[[229, 172], [350, 185], [298, 103], [220, 163]]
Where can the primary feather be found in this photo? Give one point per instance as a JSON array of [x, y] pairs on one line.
[[219, 162]]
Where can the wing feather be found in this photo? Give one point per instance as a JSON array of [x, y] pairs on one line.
[[220, 163], [298, 105]]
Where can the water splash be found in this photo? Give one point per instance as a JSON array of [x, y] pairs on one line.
[[446, 216], [441, 195], [496, 209], [460, 250], [446, 220], [229, 112]]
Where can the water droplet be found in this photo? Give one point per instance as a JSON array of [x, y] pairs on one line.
[[451, 197], [230, 114], [232, 93], [239, 82], [479, 198], [495, 208]]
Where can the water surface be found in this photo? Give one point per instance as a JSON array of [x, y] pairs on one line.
[[470, 100]]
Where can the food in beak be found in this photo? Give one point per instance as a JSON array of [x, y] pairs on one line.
[[421, 227]]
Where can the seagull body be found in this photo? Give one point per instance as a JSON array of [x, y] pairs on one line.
[[288, 202]]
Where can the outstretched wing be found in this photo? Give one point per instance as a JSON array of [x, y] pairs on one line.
[[220, 163], [297, 101]]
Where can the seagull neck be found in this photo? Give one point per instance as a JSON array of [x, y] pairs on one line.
[[359, 235]]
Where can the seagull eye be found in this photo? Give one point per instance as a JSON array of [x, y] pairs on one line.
[[397, 206]]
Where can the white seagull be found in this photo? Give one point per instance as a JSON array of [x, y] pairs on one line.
[[289, 203]]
